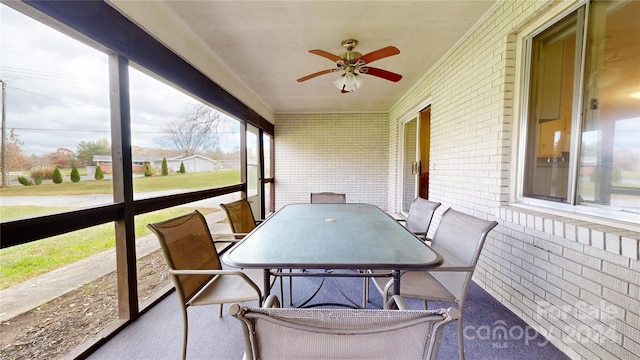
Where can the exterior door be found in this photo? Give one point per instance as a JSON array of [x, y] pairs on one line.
[[425, 148], [254, 186], [410, 163]]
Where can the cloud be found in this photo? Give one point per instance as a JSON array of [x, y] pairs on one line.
[[58, 91]]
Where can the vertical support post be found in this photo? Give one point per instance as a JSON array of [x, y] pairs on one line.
[[261, 172], [5, 181], [396, 282], [243, 158], [123, 186]]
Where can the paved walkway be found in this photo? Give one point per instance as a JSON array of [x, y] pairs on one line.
[[42, 289]]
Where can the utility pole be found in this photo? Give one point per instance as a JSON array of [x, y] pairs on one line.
[[5, 181]]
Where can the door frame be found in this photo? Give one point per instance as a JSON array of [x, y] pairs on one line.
[[410, 115]]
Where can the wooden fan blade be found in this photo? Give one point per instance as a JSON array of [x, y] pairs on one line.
[[379, 54], [387, 75], [305, 78], [327, 54]]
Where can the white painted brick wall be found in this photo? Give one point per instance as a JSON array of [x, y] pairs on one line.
[[344, 153], [576, 281]]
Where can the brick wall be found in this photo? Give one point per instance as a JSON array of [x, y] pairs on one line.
[[345, 153], [571, 278]]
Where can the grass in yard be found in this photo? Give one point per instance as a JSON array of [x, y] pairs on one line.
[[23, 212], [23, 262], [188, 181]]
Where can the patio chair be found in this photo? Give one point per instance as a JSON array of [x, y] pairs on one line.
[[243, 222], [418, 221], [419, 218], [195, 268], [294, 333], [459, 240], [328, 198], [240, 217]]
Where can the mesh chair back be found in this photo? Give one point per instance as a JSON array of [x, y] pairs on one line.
[[328, 198], [187, 244], [420, 215], [292, 333], [240, 216], [460, 236]]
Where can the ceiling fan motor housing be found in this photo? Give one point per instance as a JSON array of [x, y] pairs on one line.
[[350, 56]]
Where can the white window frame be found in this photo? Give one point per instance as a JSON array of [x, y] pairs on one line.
[[519, 141]]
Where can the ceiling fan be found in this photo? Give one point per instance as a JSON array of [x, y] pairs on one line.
[[354, 64]]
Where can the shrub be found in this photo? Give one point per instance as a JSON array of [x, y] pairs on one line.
[[45, 172], [148, 170], [616, 177], [57, 176], [75, 175], [24, 181], [37, 179], [99, 174], [165, 167], [182, 169]]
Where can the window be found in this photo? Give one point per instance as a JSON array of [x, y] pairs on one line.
[[198, 144], [582, 147], [56, 113]]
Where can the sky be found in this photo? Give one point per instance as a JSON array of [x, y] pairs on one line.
[[57, 91]]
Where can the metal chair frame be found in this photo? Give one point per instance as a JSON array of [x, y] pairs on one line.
[[272, 332]]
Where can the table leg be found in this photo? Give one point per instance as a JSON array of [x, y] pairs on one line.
[[396, 282], [267, 283]]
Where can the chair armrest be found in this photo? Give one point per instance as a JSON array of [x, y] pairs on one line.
[[452, 263], [219, 272], [230, 240], [453, 313], [271, 302], [398, 301], [238, 235]]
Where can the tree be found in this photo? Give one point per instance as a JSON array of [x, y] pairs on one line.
[[24, 181], [57, 176], [182, 169], [37, 179], [62, 158], [196, 133], [86, 150], [99, 174], [75, 175], [16, 159], [148, 170], [165, 167]]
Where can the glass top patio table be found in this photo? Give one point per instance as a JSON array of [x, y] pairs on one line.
[[332, 236]]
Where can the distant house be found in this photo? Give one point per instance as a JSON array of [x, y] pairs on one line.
[[104, 161], [194, 163]]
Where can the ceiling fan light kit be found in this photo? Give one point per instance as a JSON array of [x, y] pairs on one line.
[[348, 82], [354, 64]]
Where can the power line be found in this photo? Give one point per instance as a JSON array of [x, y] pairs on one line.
[[102, 131]]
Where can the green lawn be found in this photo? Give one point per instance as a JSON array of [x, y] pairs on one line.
[[23, 262], [188, 181]]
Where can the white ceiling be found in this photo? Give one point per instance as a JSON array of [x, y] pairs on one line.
[[266, 43]]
